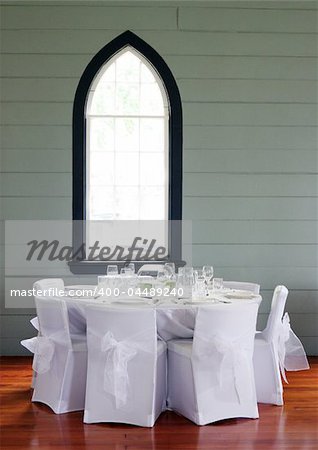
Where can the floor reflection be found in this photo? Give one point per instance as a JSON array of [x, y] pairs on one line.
[[27, 425]]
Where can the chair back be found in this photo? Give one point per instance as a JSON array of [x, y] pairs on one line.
[[229, 322], [122, 352], [53, 320], [222, 353], [48, 287], [241, 285], [273, 325]]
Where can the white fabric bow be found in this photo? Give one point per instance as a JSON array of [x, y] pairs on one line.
[[291, 353], [118, 354], [35, 323], [229, 361], [43, 349]]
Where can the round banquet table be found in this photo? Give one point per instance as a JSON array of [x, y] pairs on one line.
[[174, 320]]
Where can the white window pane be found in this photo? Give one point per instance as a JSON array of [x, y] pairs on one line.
[[103, 99], [126, 203], [127, 156], [101, 203], [152, 203], [127, 98], [151, 100], [127, 169], [127, 67], [101, 134], [108, 75], [152, 169], [152, 138], [101, 168], [145, 75], [127, 134]]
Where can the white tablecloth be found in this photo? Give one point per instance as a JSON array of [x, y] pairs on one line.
[[173, 320]]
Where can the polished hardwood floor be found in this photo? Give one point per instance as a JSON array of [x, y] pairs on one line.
[[27, 425]]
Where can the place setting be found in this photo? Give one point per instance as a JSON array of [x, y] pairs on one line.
[[158, 284]]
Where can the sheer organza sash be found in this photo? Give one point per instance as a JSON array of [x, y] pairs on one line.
[[118, 353], [291, 353], [227, 361], [43, 349]]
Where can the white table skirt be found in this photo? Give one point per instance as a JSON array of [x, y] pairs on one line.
[[173, 320]]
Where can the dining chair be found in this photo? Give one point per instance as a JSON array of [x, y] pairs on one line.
[[60, 363], [126, 375], [35, 323], [48, 287], [242, 285], [45, 287], [210, 378], [276, 348]]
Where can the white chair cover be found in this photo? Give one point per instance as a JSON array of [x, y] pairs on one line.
[[60, 366], [277, 349], [43, 350], [273, 327], [35, 323], [51, 287], [126, 377], [243, 286], [44, 286], [118, 354], [48, 287], [212, 379]]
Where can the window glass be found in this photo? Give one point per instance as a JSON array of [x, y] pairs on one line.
[[127, 149]]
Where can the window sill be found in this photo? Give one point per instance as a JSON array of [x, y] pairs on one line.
[[86, 267]]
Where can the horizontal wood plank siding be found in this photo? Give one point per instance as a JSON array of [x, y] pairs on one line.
[[167, 42], [201, 114], [247, 73]]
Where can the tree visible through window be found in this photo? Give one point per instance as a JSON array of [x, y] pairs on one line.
[[127, 158]]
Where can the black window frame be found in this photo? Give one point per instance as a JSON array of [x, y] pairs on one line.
[[175, 143]]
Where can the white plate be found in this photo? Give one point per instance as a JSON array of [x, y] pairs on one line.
[[240, 295], [124, 301], [80, 287], [211, 301], [71, 291]]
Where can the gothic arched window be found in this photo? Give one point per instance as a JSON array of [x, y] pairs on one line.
[[127, 138]]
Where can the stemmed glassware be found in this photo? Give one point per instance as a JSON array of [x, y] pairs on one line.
[[112, 270], [185, 280], [162, 275], [208, 275], [171, 269], [217, 284], [199, 283], [131, 266]]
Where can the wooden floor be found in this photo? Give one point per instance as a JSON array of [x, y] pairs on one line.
[[27, 425]]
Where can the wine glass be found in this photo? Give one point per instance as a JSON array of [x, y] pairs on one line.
[[185, 281], [112, 270], [131, 266], [170, 268], [199, 282], [162, 275], [208, 273], [217, 284]]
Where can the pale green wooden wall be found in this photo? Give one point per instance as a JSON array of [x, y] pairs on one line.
[[247, 73]]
